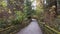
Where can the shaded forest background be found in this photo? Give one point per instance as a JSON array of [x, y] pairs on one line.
[[16, 14]]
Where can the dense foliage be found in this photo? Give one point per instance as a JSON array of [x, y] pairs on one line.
[[16, 14]]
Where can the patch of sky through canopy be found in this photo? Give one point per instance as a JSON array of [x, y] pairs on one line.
[[33, 4], [45, 2]]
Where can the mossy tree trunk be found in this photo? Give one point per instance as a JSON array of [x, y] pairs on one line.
[[50, 12]]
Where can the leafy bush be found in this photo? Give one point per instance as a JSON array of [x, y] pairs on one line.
[[20, 16], [3, 3]]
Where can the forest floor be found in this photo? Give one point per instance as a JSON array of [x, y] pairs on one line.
[[32, 28]]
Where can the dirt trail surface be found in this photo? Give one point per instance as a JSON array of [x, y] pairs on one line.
[[32, 28]]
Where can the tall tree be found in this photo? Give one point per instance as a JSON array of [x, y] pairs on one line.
[[28, 8], [50, 11]]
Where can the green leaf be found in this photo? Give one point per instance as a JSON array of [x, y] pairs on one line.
[[3, 3]]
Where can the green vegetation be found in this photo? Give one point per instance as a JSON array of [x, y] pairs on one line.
[[17, 14], [14, 18]]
